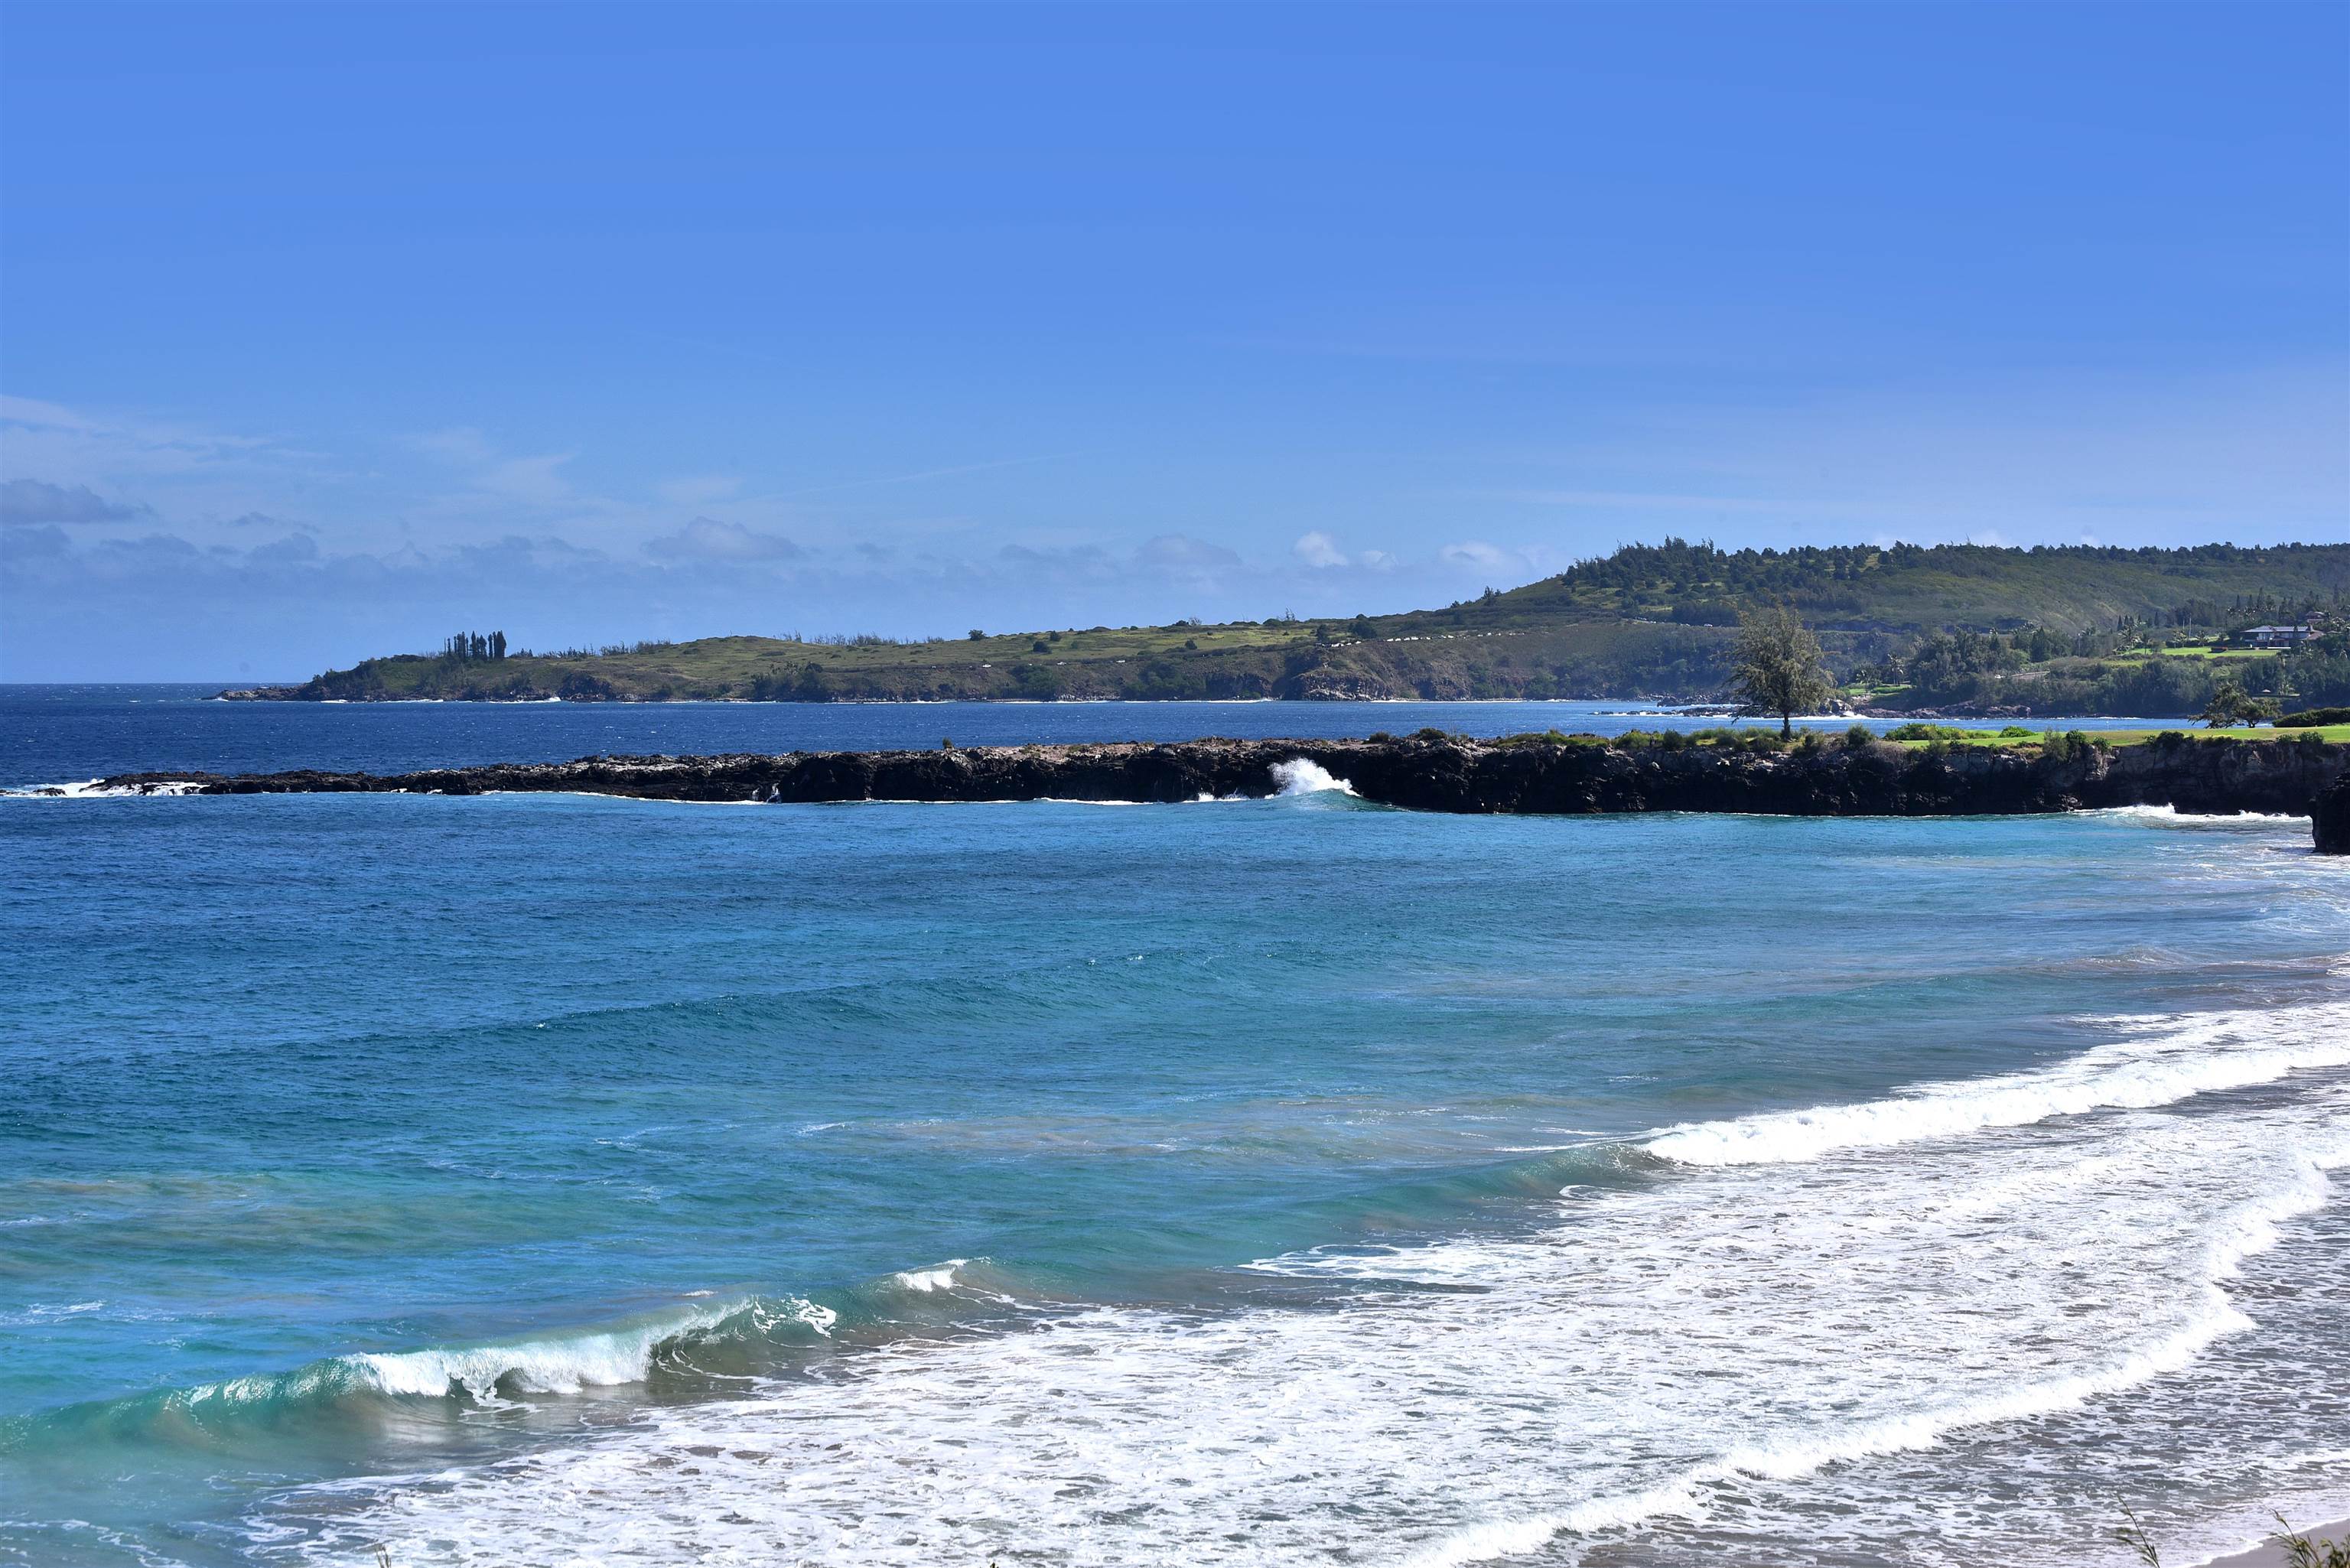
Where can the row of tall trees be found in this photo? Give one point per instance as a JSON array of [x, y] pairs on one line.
[[468, 647]]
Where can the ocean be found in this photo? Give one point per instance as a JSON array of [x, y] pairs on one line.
[[570, 1181]]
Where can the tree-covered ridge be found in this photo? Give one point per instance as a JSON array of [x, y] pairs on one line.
[[2065, 588], [2044, 630]]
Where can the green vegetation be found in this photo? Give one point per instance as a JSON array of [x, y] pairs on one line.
[[1911, 736], [2230, 707], [1780, 668], [1902, 627]]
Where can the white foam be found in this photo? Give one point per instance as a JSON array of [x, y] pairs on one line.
[[2166, 1060], [567, 1363], [96, 789], [924, 1281], [2171, 814], [1710, 1335], [1302, 775]]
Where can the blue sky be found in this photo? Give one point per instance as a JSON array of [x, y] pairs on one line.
[[325, 329]]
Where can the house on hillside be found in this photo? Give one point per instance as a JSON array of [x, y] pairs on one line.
[[2278, 636]]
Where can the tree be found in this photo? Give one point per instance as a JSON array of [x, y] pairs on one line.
[[1779, 666], [2231, 706]]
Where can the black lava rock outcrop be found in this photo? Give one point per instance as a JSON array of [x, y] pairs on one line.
[[1449, 774], [2330, 818]]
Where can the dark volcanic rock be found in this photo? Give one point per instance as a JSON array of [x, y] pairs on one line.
[[2331, 818], [1450, 774]]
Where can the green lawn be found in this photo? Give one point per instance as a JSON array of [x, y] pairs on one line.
[[2335, 733]]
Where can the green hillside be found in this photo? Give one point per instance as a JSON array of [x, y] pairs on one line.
[[1904, 626]]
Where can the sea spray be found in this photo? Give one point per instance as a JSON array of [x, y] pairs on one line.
[[1302, 775]]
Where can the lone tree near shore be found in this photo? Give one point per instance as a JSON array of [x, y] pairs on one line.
[[2230, 707], [1780, 668]]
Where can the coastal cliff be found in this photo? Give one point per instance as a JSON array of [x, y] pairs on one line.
[[1564, 775]]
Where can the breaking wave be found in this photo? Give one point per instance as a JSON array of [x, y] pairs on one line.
[[1730, 1324], [2165, 1060], [1302, 775]]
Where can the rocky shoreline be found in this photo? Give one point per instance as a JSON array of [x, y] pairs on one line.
[[1452, 773]]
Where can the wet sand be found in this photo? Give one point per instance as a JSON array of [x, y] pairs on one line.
[[2271, 1553]]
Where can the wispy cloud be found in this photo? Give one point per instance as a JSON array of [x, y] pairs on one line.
[[708, 539], [28, 502]]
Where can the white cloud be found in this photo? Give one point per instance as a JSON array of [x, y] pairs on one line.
[[1478, 554], [1318, 549]]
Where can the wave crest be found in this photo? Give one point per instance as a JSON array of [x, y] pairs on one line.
[[2167, 1060], [1302, 775]]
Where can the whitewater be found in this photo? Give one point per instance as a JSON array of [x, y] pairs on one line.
[[1636, 1360]]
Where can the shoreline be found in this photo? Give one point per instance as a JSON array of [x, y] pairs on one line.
[[2271, 1552], [1539, 775]]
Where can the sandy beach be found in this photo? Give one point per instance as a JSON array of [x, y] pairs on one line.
[[2271, 1553]]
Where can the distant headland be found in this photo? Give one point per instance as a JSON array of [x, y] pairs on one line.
[[1957, 629]]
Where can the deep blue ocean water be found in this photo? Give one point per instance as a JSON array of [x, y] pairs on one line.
[[533, 1179]]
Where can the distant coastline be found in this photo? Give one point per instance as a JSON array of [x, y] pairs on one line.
[[1957, 630], [1754, 771]]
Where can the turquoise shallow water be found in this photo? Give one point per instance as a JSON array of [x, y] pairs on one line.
[[538, 1179]]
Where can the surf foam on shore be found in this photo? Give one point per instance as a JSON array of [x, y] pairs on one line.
[[1694, 1343]]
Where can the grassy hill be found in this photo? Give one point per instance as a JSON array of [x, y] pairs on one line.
[[1646, 621]]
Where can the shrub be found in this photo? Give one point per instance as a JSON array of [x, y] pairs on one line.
[[1428, 732], [2311, 718], [1857, 738], [2300, 1552]]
